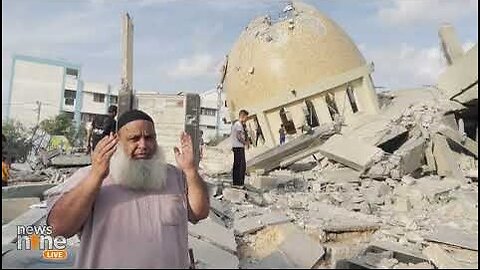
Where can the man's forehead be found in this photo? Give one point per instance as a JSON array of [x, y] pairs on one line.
[[138, 126]]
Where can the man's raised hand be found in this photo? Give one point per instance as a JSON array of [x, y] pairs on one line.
[[102, 154]]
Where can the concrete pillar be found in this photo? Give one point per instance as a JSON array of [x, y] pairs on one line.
[[266, 129], [366, 95], [274, 122], [296, 110], [126, 91], [461, 126], [451, 47], [321, 109], [343, 103]]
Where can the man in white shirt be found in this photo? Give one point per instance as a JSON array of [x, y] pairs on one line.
[[239, 141]]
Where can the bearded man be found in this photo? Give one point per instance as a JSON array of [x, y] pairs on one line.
[[130, 208]]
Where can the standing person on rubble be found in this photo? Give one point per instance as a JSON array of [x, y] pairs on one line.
[[103, 126], [130, 208], [239, 142]]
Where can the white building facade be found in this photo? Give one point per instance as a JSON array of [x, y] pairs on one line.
[[43, 88], [209, 108]]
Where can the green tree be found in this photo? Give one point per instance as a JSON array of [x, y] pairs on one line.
[[61, 124], [17, 140]]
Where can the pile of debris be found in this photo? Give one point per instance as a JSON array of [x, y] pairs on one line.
[[399, 190]]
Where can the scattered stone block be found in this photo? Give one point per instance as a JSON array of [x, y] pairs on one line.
[[455, 237], [234, 195], [305, 257], [210, 256], [255, 223], [446, 164], [215, 233]]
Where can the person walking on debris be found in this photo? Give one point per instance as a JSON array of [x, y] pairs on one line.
[[281, 131], [130, 208], [103, 126], [239, 142]]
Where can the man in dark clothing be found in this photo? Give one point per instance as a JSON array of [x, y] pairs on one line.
[[239, 142], [104, 125]]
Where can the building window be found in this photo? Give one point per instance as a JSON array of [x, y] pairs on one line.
[[72, 72], [351, 98], [113, 99], [100, 98], [69, 97], [208, 112]]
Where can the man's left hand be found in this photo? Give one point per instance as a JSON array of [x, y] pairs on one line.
[[184, 156]]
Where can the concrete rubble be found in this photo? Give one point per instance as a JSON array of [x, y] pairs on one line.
[[398, 189], [394, 190]]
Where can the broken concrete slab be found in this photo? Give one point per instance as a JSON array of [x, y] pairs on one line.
[[210, 256], [271, 159], [71, 160], [453, 236], [351, 152], [252, 224], [340, 175], [442, 259], [412, 155], [449, 120], [305, 257], [335, 219], [220, 208], [268, 182], [299, 156], [392, 137], [214, 233], [468, 96], [276, 260], [12, 208], [274, 218], [446, 164], [468, 144], [247, 225], [234, 195], [461, 75]]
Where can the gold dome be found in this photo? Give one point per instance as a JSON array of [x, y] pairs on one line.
[[272, 58]]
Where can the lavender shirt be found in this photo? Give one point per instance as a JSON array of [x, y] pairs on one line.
[[133, 229]]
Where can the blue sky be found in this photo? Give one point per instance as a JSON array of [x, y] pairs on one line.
[[180, 45]]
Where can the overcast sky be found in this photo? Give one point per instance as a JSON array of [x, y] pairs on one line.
[[180, 45]]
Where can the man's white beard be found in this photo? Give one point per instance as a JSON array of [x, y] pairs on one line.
[[142, 174]]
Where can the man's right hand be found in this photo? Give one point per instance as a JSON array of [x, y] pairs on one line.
[[102, 154]]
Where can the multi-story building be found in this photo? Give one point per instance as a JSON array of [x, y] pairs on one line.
[[209, 107], [43, 88]]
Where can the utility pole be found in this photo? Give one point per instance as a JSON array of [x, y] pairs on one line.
[[39, 108]]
